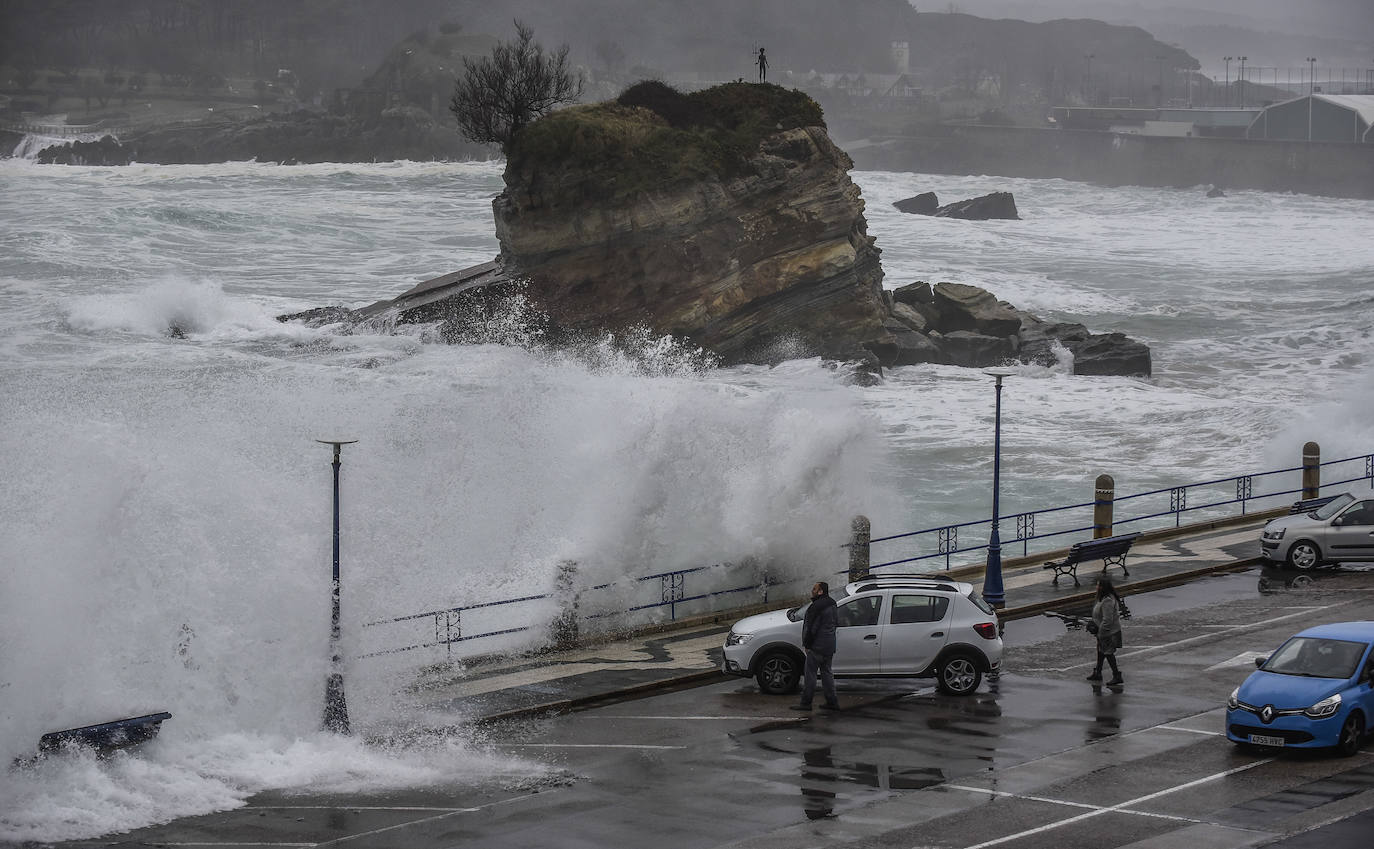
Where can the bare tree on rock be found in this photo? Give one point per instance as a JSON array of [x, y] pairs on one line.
[[500, 94]]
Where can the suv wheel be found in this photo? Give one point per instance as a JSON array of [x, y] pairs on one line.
[[958, 675], [778, 672], [1304, 555]]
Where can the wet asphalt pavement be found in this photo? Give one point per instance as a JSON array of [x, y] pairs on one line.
[[1036, 759]]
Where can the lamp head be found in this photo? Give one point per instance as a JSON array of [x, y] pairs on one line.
[[999, 372]]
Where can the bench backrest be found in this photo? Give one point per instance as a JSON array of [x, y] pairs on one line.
[[1105, 547]]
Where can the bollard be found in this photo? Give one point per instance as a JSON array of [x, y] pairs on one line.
[[1311, 470], [862, 531], [1103, 498], [563, 629]]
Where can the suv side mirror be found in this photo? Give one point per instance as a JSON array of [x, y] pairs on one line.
[[1260, 661], [1337, 522]]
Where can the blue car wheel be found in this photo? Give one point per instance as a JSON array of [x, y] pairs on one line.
[[1352, 733]]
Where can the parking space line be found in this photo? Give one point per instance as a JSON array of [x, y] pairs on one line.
[[1189, 730], [1247, 626], [1123, 807], [695, 718], [352, 808], [1067, 803], [585, 746], [450, 813]]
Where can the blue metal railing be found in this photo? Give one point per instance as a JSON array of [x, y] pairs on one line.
[[448, 624], [452, 626], [941, 542]]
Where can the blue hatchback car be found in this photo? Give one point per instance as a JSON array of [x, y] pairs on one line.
[[1316, 691]]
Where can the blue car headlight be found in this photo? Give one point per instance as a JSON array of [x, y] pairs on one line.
[[1233, 701], [1325, 707]]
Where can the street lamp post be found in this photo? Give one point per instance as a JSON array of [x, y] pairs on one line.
[[1240, 81], [993, 591], [1311, 90], [335, 705], [1228, 81]]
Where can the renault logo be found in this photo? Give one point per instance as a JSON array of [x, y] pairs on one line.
[[1267, 714]]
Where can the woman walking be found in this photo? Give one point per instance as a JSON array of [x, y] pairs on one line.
[[1107, 626]]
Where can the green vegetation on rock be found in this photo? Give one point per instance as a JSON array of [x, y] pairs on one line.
[[654, 136]]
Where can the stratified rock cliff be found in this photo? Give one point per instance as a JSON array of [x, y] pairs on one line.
[[725, 217]]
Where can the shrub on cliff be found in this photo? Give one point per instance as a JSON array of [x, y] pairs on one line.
[[653, 135], [499, 95]]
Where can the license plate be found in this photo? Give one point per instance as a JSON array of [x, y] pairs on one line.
[[1261, 740]]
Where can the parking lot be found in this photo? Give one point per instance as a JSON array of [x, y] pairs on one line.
[[1037, 758]]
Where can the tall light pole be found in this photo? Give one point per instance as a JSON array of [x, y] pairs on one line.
[[1228, 81], [1311, 89], [1088, 92], [1240, 81], [335, 705], [993, 591]]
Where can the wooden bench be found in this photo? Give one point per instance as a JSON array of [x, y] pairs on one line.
[[1110, 550]]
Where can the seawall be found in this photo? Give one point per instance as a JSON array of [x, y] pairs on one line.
[[1119, 159]]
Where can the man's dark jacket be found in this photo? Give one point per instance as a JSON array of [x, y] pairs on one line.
[[818, 627]]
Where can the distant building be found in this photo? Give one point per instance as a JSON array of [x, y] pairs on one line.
[[901, 57], [1317, 117]]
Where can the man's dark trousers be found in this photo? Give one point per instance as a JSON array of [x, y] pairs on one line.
[[817, 662]]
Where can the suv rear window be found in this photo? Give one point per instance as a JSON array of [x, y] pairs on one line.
[[907, 609], [980, 602]]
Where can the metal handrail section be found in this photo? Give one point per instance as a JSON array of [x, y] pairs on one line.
[[448, 628], [944, 538]]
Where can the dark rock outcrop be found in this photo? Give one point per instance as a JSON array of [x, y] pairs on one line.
[[995, 205], [957, 324], [298, 137], [104, 151], [923, 204]]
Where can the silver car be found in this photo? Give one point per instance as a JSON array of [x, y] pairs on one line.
[[1342, 529], [891, 626]]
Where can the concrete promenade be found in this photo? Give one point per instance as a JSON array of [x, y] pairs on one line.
[[689, 654]]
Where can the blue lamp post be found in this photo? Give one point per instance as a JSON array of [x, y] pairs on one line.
[[992, 576], [335, 705]]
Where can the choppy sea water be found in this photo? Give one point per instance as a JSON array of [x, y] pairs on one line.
[[165, 514]]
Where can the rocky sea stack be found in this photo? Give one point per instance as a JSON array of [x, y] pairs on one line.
[[725, 217]]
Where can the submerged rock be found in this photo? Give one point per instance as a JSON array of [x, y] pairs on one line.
[[923, 204], [995, 205]]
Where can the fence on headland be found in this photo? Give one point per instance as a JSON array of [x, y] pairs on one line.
[[568, 612], [1107, 513], [62, 131]]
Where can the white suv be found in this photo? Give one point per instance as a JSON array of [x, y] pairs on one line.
[[890, 626]]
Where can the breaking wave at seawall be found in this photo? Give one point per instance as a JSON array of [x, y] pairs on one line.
[[167, 509]]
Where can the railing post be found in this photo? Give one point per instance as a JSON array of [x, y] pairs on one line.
[[1311, 470], [1104, 496], [862, 532], [563, 629]]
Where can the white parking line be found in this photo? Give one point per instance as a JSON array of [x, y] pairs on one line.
[[585, 746], [1189, 730], [1248, 626], [1123, 807], [412, 822], [695, 718], [1065, 802]]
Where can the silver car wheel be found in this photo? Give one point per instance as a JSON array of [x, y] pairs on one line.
[[959, 676], [1304, 555]]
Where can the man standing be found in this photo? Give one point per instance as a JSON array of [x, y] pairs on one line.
[[818, 638], [763, 66]]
